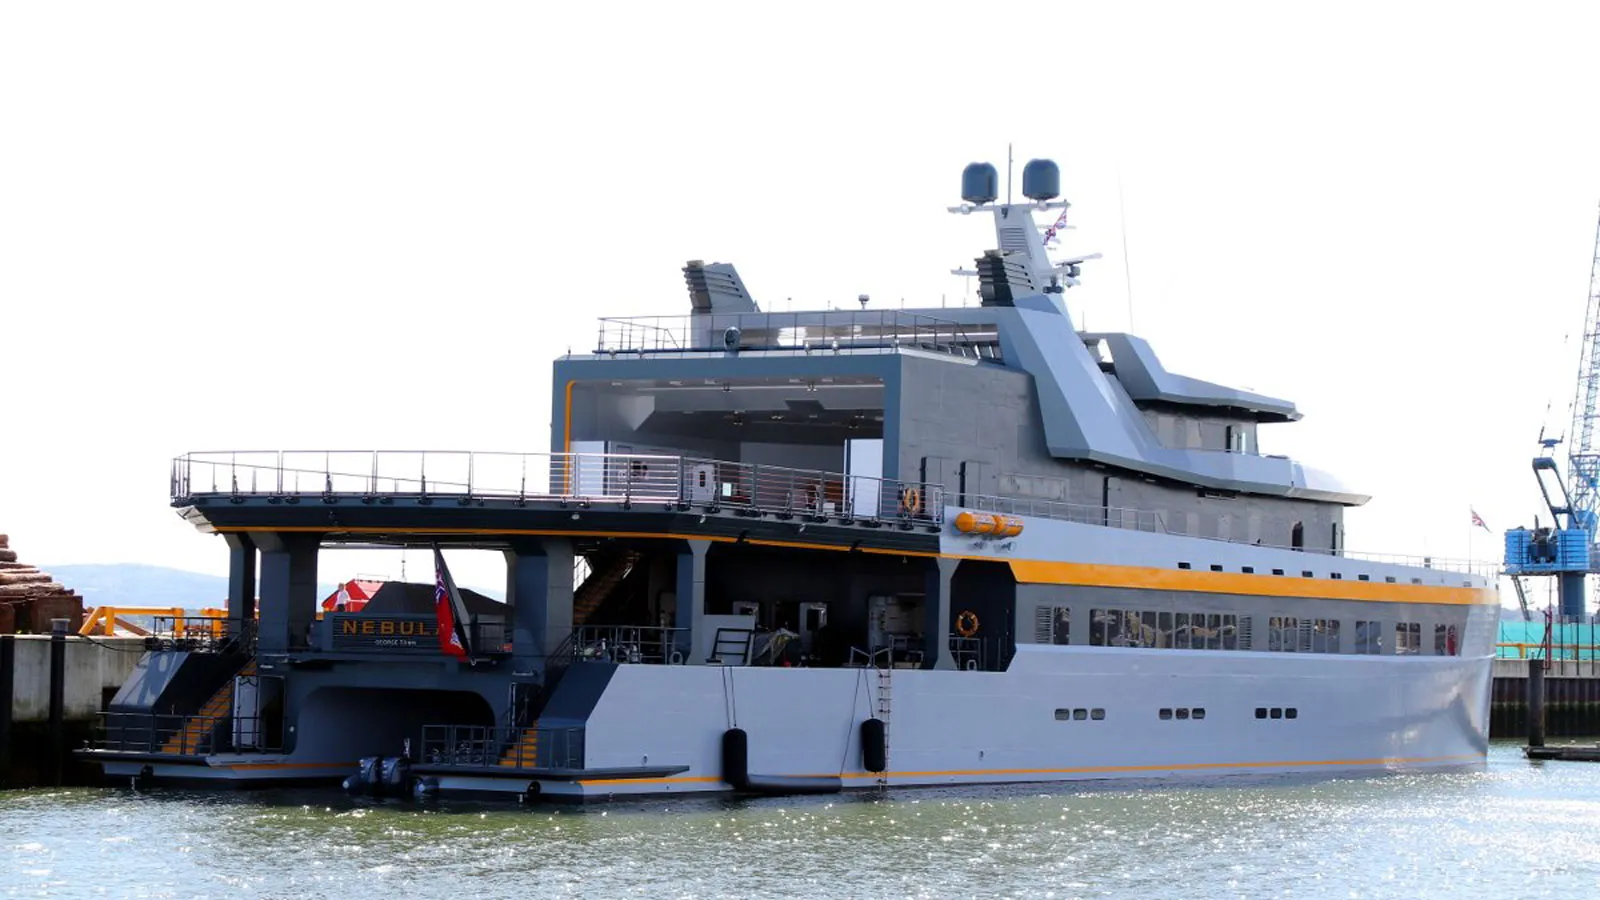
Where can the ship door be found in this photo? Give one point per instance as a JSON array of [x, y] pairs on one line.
[[813, 618], [257, 712], [1111, 504]]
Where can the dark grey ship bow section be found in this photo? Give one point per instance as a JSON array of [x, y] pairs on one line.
[[1090, 415]]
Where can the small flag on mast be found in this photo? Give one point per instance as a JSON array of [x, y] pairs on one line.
[[451, 611], [1478, 520]]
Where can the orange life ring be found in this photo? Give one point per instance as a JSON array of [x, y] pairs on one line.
[[911, 500], [967, 623]]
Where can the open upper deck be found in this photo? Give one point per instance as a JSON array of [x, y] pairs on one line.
[[385, 496]]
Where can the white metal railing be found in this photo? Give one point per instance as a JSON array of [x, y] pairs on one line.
[[644, 478], [581, 477], [1152, 521], [798, 332], [1110, 516]]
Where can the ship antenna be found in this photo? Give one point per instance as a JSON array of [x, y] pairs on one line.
[[1009, 162], [1127, 269]]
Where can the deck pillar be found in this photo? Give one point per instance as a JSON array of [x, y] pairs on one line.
[[936, 612], [539, 592], [241, 583], [691, 600], [288, 591]]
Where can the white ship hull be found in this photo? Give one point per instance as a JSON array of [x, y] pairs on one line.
[[951, 728]]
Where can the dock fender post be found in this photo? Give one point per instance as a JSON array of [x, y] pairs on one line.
[[736, 758], [874, 747]]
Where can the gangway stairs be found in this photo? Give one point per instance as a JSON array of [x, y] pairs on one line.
[[197, 732], [523, 753]]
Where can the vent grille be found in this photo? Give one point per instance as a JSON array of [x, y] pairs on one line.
[[1013, 239], [1042, 620]]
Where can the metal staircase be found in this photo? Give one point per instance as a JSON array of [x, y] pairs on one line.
[[523, 753], [604, 579], [198, 731]]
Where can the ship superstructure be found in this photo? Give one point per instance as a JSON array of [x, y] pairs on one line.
[[807, 551]]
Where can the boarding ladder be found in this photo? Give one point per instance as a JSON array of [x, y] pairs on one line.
[[885, 702]]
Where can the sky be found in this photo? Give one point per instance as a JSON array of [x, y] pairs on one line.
[[374, 225]]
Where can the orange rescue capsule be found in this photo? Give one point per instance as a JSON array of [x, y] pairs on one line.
[[977, 523], [1008, 526]]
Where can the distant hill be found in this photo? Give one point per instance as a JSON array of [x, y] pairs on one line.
[[135, 584]]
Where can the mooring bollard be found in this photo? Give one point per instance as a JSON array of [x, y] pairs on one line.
[[1536, 703], [58, 695]]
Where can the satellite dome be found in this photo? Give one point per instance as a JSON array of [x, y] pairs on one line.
[[980, 184], [1041, 180]]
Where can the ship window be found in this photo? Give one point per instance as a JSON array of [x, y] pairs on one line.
[[1078, 715], [1164, 714], [1216, 568], [1336, 576], [1444, 641], [1283, 633], [1100, 622], [1325, 636], [1183, 565], [1199, 713], [1307, 573], [1291, 713], [1228, 625], [1183, 714], [1388, 579], [1277, 712], [1261, 712], [1063, 715], [1369, 637], [1297, 536], [1061, 626], [1164, 636], [1097, 714], [1364, 577], [1277, 571], [1248, 570], [1407, 638]]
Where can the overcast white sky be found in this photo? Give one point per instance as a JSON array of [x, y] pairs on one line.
[[343, 225]]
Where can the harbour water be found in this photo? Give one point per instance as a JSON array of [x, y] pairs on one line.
[[1512, 829]]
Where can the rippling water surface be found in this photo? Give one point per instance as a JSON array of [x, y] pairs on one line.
[[1514, 829]]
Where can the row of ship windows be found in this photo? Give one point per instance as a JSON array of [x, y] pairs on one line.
[[1304, 573], [1228, 631], [1192, 713]]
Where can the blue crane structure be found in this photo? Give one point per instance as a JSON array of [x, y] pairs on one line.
[[1566, 548]]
